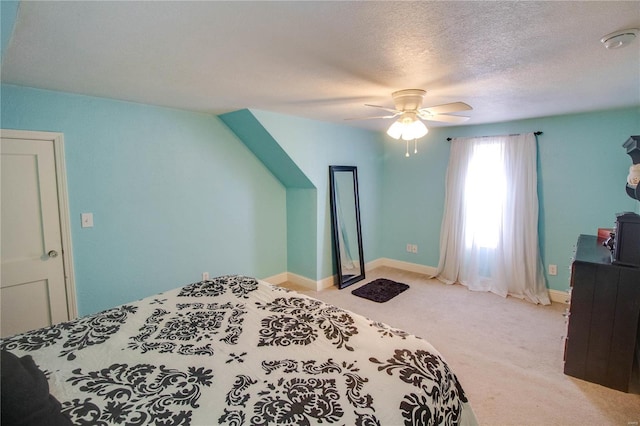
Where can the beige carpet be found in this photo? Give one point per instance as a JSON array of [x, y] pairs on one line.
[[507, 353]]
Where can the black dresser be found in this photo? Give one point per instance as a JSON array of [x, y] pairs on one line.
[[603, 333]]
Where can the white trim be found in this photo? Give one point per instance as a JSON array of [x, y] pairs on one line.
[[277, 279], [373, 264], [405, 266], [558, 296], [328, 282], [331, 280], [63, 207], [303, 281]]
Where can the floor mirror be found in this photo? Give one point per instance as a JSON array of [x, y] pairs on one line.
[[345, 218]]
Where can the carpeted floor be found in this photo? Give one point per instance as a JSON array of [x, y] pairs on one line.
[[507, 353]]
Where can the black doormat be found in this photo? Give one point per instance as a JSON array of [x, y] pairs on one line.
[[380, 290]]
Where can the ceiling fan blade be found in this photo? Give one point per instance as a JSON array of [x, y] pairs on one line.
[[446, 108], [444, 118], [384, 108], [372, 118]]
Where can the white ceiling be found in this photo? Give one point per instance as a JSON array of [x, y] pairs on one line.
[[324, 60]]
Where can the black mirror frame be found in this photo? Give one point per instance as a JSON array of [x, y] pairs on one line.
[[342, 282]]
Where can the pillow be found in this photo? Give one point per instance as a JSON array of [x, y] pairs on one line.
[[24, 391]]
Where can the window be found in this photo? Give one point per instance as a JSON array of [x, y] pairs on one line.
[[489, 234], [484, 196]]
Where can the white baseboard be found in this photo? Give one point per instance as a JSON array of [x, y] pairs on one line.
[[405, 266], [303, 281], [300, 280], [330, 281], [556, 296], [374, 264], [277, 279]]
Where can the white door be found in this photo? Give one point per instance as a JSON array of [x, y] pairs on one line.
[[33, 290]]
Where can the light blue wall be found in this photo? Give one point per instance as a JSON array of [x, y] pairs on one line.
[[413, 194], [302, 221], [173, 194], [314, 146], [582, 171], [190, 197], [250, 131], [302, 198]]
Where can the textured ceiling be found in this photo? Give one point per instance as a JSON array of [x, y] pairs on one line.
[[324, 60]]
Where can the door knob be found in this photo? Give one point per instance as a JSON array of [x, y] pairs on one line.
[[53, 253]]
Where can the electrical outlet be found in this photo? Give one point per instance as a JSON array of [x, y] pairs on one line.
[[205, 276], [409, 246], [553, 269], [414, 248]]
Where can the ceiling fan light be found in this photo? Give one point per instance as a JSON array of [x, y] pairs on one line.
[[414, 130], [396, 129]]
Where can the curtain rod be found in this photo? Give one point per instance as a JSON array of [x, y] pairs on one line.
[[538, 133]]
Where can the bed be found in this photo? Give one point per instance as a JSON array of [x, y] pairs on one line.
[[238, 351]]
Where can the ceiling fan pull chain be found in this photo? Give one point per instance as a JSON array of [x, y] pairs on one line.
[[415, 146], [407, 154]]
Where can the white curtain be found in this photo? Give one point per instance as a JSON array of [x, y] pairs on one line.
[[489, 234]]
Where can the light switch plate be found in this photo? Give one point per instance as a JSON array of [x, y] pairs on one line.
[[87, 220]]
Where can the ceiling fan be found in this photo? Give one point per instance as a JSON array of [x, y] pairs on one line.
[[408, 109]]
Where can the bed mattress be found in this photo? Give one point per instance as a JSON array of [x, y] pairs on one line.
[[237, 351]]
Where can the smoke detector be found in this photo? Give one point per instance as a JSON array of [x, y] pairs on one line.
[[619, 39]]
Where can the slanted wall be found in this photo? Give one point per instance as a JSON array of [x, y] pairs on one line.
[[301, 193], [292, 146]]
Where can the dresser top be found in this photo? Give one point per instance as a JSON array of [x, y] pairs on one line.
[[590, 249]]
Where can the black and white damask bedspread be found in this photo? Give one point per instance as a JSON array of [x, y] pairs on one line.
[[236, 351]]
